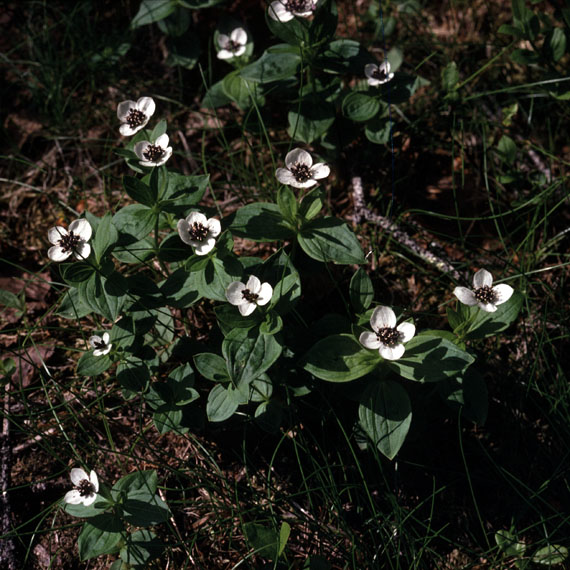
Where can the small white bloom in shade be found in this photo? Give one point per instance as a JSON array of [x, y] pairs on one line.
[[247, 297], [232, 45], [378, 74], [286, 10], [134, 115], [153, 154], [484, 295], [300, 171], [199, 232], [388, 338], [71, 241], [101, 344], [85, 487]]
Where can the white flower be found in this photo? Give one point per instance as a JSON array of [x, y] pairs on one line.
[[378, 74], [387, 337], [72, 241], [100, 344], [85, 490], [484, 295], [232, 45], [285, 10], [247, 297], [134, 115], [300, 171], [153, 154], [199, 232]]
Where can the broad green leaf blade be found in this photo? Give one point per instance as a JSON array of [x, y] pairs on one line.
[[360, 107], [221, 404], [140, 548], [550, 555], [272, 67], [265, 540], [361, 291], [135, 221], [105, 238], [138, 190], [340, 358], [135, 482], [90, 365], [261, 222], [509, 544], [469, 393], [385, 414], [144, 509], [211, 366], [100, 535], [152, 11]]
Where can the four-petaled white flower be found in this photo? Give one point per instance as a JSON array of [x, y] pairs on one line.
[[199, 232], [378, 74], [71, 241], [285, 10], [300, 171], [232, 45], [101, 344], [387, 337], [153, 154], [85, 490], [134, 115], [247, 297], [484, 295]]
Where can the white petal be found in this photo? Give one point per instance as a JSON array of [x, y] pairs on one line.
[[73, 497], [406, 330], [369, 340], [265, 294], [162, 140], [373, 82], [225, 54], [239, 51], [214, 226], [183, 231], [82, 250], [277, 11], [195, 217], [106, 341], [253, 284], [383, 317], [246, 308], [140, 148], [234, 293], [81, 228], [385, 67], [306, 184], [320, 170], [77, 475], [239, 36], [487, 307], [298, 156], [56, 233], [99, 352], [285, 176], [124, 108], [223, 40], [147, 106], [167, 154], [482, 278], [56, 253], [466, 296], [93, 476], [95, 340], [89, 500], [204, 247], [127, 131], [503, 293], [392, 353], [369, 69]]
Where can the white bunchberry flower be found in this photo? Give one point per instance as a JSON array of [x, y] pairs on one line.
[[71, 241], [285, 10], [232, 45], [199, 232], [387, 337], [484, 295], [378, 74], [101, 344], [85, 487], [300, 171], [153, 154], [247, 297], [134, 115]]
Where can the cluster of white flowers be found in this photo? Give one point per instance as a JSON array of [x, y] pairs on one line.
[[85, 487]]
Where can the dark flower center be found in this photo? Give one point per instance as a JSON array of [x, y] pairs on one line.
[[249, 296], [301, 172], [388, 336], [198, 231], [85, 488], [299, 5], [69, 242], [232, 46], [485, 294], [100, 344], [379, 74], [153, 152], [135, 118]]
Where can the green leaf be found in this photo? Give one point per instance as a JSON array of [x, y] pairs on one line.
[[310, 121], [75, 273], [8, 299], [183, 193], [378, 131], [449, 76], [238, 89], [221, 404], [100, 535], [272, 67], [284, 533], [183, 51], [324, 23], [509, 544], [312, 204], [140, 548], [330, 239], [431, 358], [136, 482], [215, 96], [511, 31], [266, 541], [133, 375], [71, 305], [135, 252], [507, 149], [135, 220], [344, 56], [90, 365], [181, 289], [294, 32], [217, 275], [105, 237], [139, 191], [287, 203], [550, 555], [525, 57], [360, 107], [468, 393], [261, 222], [385, 415], [153, 11], [81, 511], [555, 44], [361, 291], [176, 24], [105, 295], [339, 358], [211, 366], [142, 508]]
